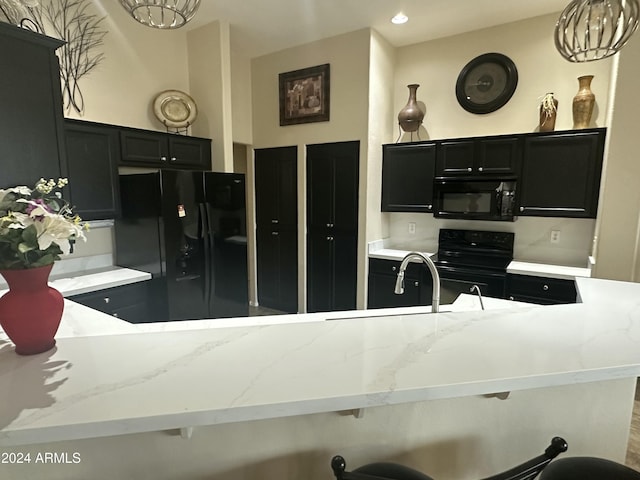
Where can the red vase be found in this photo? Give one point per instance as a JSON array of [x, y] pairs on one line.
[[30, 312]]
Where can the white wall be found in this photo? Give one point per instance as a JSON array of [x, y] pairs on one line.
[[435, 65]]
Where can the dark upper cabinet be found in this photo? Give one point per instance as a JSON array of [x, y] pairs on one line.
[[332, 186], [277, 227], [92, 153], [494, 156], [407, 177], [31, 124], [164, 150], [332, 225], [276, 186], [561, 174]]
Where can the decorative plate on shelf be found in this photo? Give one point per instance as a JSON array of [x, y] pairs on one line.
[[175, 108], [486, 83]]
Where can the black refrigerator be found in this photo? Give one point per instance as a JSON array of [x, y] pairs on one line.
[[188, 230]]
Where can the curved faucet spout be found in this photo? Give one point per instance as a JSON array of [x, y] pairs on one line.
[[435, 299]]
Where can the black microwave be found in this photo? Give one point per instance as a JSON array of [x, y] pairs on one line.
[[481, 199]]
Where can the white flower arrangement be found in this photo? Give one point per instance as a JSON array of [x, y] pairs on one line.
[[35, 224]]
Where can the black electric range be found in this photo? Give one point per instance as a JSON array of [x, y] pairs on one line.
[[471, 257]]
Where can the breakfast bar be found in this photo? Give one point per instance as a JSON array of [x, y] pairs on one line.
[[374, 384]]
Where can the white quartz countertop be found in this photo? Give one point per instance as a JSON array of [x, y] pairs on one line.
[[91, 386]]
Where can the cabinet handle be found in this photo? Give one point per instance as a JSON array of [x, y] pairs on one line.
[[330, 225], [163, 159], [173, 159], [106, 299], [416, 284], [115, 315], [330, 238], [511, 298], [479, 169], [469, 169], [522, 209], [393, 269], [274, 220], [275, 233], [545, 287]]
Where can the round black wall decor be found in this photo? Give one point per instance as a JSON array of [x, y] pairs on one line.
[[486, 83]]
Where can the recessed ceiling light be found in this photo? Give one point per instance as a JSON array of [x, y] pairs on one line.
[[399, 19]]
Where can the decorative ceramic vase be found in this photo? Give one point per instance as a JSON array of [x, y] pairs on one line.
[[410, 117], [583, 103], [548, 113], [30, 312]]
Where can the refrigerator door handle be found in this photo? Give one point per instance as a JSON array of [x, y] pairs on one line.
[[208, 249]]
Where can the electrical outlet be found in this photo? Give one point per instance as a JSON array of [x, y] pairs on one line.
[[412, 227], [555, 236]]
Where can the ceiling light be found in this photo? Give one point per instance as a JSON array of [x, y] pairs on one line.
[[590, 30], [399, 19], [161, 13]]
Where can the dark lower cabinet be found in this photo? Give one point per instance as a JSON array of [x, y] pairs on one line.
[[126, 302], [382, 282], [92, 153], [540, 290], [331, 284], [277, 252]]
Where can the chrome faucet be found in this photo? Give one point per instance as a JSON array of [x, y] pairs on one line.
[[399, 290], [477, 288]]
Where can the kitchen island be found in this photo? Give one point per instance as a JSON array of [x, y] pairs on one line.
[[457, 394]]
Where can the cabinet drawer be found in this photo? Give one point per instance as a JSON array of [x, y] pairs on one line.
[[114, 300], [392, 267], [548, 290]]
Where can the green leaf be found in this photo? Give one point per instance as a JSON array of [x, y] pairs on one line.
[[30, 236], [44, 260], [24, 247]]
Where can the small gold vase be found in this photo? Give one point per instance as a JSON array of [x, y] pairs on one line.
[[583, 103]]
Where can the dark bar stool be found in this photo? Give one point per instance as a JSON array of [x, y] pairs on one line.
[[588, 468], [393, 471]]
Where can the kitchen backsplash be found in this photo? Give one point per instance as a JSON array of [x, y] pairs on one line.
[[532, 236]]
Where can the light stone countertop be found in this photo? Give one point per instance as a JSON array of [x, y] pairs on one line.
[[85, 386]]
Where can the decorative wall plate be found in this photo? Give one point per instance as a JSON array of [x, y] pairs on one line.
[[175, 108], [486, 83]]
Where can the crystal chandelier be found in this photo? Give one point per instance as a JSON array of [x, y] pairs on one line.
[[590, 30], [162, 13]]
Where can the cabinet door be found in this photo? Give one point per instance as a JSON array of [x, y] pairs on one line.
[[276, 176], [31, 123], [455, 157], [277, 253], [541, 290], [332, 185], [144, 148], [331, 283], [561, 175], [407, 177], [498, 156], [92, 153], [189, 152]]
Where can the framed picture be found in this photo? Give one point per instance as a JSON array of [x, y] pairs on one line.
[[304, 95]]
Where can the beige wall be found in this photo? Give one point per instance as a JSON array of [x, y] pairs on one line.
[[618, 226], [348, 56]]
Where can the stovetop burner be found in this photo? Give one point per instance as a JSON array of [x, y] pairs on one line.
[[474, 249]]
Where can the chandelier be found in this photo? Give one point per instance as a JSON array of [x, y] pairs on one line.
[[590, 30], [163, 14]]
